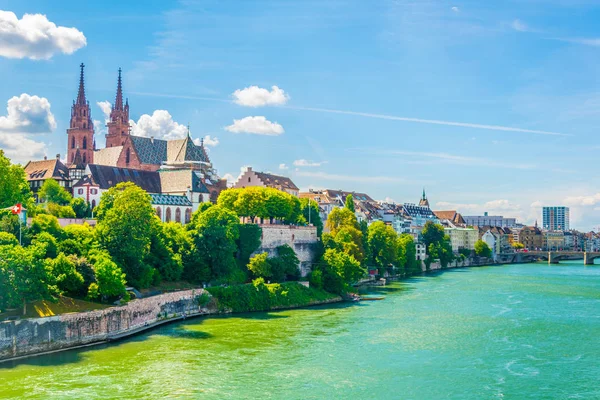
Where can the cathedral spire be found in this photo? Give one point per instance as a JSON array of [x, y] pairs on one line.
[[424, 197], [119, 99], [81, 93]]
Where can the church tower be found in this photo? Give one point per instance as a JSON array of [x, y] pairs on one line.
[[118, 127], [81, 129], [424, 202]]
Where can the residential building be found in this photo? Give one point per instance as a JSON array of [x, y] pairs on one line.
[[38, 171], [490, 220], [365, 207], [492, 241], [553, 240], [421, 251], [555, 218], [462, 238], [453, 217], [569, 241], [251, 178], [531, 237], [504, 237]]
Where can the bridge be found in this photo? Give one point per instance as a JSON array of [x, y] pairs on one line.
[[553, 257]]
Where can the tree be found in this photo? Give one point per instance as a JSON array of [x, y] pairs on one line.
[[350, 240], [312, 215], [248, 242], [45, 223], [349, 204], [52, 192], [47, 245], [382, 242], [407, 255], [432, 233], [125, 230], [518, 246], [167, 265], [60, 211], [339, 218], [259, 266], [80, 207], [284, 266], [110, 279], [79, 240], [251, 203], [13, 184], [482, 249], [8, 239], [343, 265], [65, 274]]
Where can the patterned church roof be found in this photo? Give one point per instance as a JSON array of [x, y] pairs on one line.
[[170, 200]]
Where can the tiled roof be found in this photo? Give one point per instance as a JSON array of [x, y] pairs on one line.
[[340, 194], [418, 211], [45, 169], [108, 156], [106, 177], [276, 181], [453, 216], [149, 150], [170, 200], [185, 150]]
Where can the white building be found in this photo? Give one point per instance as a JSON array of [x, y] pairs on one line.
[[490, 239], [462, 238]]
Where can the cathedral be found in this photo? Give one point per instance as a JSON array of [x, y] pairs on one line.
[[167, 169]]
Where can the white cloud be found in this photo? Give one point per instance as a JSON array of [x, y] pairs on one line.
[[519, 26], [595, 42], [283, 166], [255, 96], [455, 9], [26, 116], [229, 178], [537, 204], [305, 163], [159, 125], [209, 141], [35, 37], [583, 200], [258, 125], [106, 108]]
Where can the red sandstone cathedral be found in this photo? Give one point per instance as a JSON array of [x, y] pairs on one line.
[[165, 167]]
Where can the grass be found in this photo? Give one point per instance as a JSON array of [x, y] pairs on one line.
[[47, 308]]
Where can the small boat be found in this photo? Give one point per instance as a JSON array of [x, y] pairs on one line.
[[371, 298]]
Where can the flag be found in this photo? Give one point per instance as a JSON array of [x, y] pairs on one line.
[[16, 209]]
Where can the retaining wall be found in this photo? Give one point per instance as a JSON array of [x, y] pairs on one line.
[[303, 239]]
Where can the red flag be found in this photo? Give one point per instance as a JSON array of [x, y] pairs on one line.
[[16, 209]]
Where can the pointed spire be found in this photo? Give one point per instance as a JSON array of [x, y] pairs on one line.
[[81, 93], [119, 99], [188, 131], [424, 197]]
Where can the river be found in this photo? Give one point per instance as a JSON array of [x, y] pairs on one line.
[[528, 331]]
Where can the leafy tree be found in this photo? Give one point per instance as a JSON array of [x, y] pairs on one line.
[[177, 238], [248, 242], [8, 239], [296, 216], [125, 228], [407, 255], [382, 241], [47, 244], [312, 215], [227, 198], [341, 217], [350, 240], [9, 222], [66, 276], [80, 207], [60, 211], [432, 233], [518, 246], [110, 279], [52, 192], [79, 240], [251, 202], [482, 249], [167, 265], [45, 223], [284, 266], [343, 265], [350, 203], [13, 184], [278, 205], [259, 266]]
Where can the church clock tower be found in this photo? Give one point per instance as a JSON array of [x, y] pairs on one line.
[[80, 146]]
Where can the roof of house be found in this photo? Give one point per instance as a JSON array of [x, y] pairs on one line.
[[185, 150], [452, 215], [341, 194], [45, 169], [170, 200], [179, 180], [414, 210], [108, 156], [276, 181], [105, 177], [149, 150]]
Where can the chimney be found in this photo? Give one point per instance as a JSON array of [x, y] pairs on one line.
[[248, 169], [58, 156]]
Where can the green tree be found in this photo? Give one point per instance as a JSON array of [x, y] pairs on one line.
[[383, 244], [52, 192], [13, 184], [8, 239], [482, 249], [80, 207], [47, 245], [432, 233], [60, 211], [343, 265], [167, 265], [341, 217], [251, 202], [66, 276], [125, 230], [79, 239], [45, 223], [259, 266], [284, 266], [248, 242], [350, 203], [110, 279], [407, 255]]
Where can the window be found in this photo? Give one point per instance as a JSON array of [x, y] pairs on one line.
[[80, 191], [84, 125], [168, 219], [94, 191], [188, 215], [84, 142], [73, 143], [158, 213], [127, 156], [249, 179], [84, 158], [93, 204], [178, 215], [84, 113]]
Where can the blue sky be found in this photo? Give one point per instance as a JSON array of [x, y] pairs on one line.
[[372, 92]]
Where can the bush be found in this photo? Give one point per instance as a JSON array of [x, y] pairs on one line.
[[8, 239]]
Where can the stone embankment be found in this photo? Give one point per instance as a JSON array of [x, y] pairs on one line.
[[31, 336]]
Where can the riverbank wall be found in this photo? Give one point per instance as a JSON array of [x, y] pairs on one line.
[[22, 338]]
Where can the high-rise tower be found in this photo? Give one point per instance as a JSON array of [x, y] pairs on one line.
[[81, 129], [118, 126]]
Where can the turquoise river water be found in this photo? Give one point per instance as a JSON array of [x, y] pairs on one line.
[[528, 331]]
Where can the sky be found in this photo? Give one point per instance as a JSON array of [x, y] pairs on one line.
[[489, 106]]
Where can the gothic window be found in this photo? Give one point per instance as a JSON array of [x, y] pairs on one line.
[[249, 179], [188, 215], [73, 142], [84, 158], [168, 219], [84, 126], [84, 141], [93, 204], [178, 215], [127, 156], [158, 213], [84, 115], [80, 191]]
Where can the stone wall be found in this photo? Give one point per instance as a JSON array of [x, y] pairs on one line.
[[303, 239], [38, 335]]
